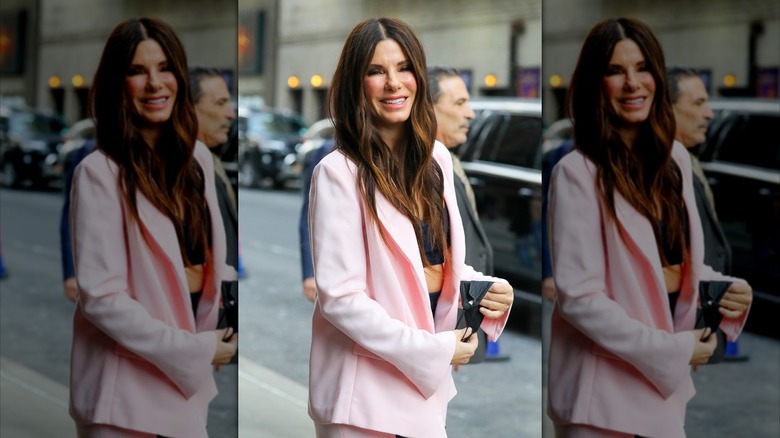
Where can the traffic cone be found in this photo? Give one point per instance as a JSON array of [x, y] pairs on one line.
[[732, 353], [240, 267], [493, 353]]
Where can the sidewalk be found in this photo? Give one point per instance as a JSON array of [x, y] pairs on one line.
[[270, 405], [32, 405]]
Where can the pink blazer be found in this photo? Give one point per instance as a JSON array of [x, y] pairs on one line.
[[379, 359], [139, 360], [618, 359]]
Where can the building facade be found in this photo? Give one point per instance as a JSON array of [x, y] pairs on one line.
[[498, 41], [66, 37], [736, 44]]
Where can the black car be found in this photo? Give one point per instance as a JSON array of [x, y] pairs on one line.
[[266, 146], [502, 158], [741, 159], [28, 147]]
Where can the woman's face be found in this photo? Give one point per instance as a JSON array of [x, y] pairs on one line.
[[390, 85], [629, 86], [150, 84]]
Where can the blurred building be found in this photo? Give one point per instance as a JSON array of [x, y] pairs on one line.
[[736, 44], [51, 48], [495, 43]]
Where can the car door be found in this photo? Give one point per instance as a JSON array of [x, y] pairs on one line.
[[502, 161]]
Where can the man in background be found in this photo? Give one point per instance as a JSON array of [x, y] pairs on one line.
[[453, 119], [215, 118], [692, 115]]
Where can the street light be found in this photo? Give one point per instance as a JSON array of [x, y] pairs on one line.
[[729, 80], [293, 82], [54, 81], [490, 80], [77, 81], [316, 81], [556, 81]]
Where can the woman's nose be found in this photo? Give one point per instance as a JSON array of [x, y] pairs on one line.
[[392, 82]]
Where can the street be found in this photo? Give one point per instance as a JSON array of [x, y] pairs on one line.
[[36, 326], [495, 399]]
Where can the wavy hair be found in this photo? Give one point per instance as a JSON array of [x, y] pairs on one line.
[[644, 173], [165, 173], [415, 179]]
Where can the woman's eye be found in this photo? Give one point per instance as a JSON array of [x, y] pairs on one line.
[[374, 72], [405, 68], [612, 72], [134, 71]]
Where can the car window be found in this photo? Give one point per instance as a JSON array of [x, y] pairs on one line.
[[510, 139], [275, 124], [751, 140], [30, 123], [519, 145]]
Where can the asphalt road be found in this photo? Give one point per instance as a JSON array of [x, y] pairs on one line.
[[499, 399], [36, 319]]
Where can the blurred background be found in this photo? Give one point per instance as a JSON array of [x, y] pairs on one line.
[[288, 51], [736, 48], [49, 51], [278, 58]]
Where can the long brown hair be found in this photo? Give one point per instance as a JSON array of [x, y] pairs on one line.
[[644, 174], [417, 178], [166, 173]]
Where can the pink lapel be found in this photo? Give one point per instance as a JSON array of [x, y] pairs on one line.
[[161, 231], [400, 231]]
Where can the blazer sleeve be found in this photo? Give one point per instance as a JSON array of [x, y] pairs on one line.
[[492, 327], [340, 266], [580, 272], [102, 266], [732, 327]]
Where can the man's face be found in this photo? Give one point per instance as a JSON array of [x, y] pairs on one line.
[[214, 112], [691, 112], [453, 112]]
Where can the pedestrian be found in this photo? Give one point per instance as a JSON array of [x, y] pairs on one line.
[[307, 268], [388, 250], [69, 287], [453, 120], [149, 248], [211, 97], [692, 115], [627, 250]]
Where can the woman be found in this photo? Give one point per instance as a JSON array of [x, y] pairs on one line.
[[388, 250], [148, 239], [627, 250]]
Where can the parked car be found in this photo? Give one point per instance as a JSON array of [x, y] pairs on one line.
[[317, 134], [502, 158], [75, 137], [28, 146], [266, 146], [741, 159]]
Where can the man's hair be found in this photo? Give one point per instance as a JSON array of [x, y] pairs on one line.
[[197, 74], [673, 77], [435, 74]]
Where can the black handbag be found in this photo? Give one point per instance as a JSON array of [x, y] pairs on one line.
[[471, 294], [710, 294], [229, 313]]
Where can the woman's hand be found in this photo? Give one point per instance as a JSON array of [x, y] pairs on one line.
[[497, 300], [703, 350], [463, 350], [227, 343], [736, 301]]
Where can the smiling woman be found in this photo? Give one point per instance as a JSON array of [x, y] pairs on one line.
[[149, 249], [627, 250], [388, 248]]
